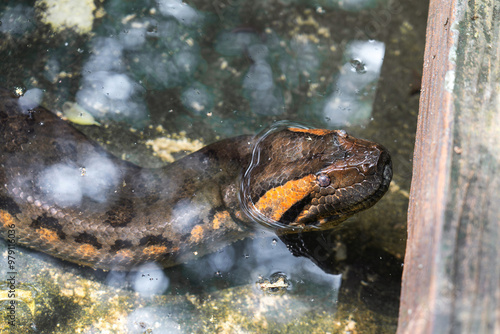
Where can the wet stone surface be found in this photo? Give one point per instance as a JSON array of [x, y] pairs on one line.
[[202, 71]]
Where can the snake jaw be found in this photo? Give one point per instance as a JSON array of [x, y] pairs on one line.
[[353, 188]]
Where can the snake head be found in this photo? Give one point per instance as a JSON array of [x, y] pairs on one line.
[[306, 177]]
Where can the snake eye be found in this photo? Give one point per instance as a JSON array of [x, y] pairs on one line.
[[323, 180]]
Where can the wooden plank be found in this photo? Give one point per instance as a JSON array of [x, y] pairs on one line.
[[451, 279]]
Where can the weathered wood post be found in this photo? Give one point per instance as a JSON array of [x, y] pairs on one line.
[[451, 279]]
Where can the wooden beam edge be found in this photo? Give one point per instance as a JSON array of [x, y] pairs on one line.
[[430, 182]]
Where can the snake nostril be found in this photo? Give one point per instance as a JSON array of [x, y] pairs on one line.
[[365, 168]]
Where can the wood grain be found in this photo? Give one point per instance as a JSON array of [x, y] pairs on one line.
[[451, 279]]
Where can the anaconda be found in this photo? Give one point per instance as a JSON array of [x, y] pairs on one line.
[[63, 194]]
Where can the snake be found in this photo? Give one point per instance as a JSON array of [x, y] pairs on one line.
[[63, 194]]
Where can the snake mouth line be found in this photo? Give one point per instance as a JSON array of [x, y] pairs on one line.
[[383, 173], [381, 190]]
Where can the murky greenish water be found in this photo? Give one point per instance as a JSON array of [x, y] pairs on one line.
[[173, 76]]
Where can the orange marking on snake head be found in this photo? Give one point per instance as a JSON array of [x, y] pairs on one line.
[[277, 201], [47, 235], [86, 250], [220, 218], [317, 132], [155, 250], [197, 233], [6, 219]]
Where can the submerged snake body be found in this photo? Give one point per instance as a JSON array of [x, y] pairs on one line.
[[64, 195]]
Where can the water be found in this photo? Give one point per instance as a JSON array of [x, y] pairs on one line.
[[213, 70]]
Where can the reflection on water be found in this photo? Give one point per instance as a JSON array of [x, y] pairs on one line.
[[216, 70], [352, 101]]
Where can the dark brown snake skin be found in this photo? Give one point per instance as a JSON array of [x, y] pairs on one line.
[[66, 196]]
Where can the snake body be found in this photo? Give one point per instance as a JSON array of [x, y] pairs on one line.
[[64, 195]]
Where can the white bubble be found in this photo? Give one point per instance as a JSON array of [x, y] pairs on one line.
[[100, 178], [181, 11], [61, 183], [259, 88], [186, 61], [111, 94], [149, 279], [258, 52], [106, 56], [185, 213], [30, 99], [66, 185], [259, 77], [133, 38], [197, 98], [117, 86], [91, 99]]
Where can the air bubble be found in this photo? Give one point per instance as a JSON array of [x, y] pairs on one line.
[[277, 284], [358, 66]]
